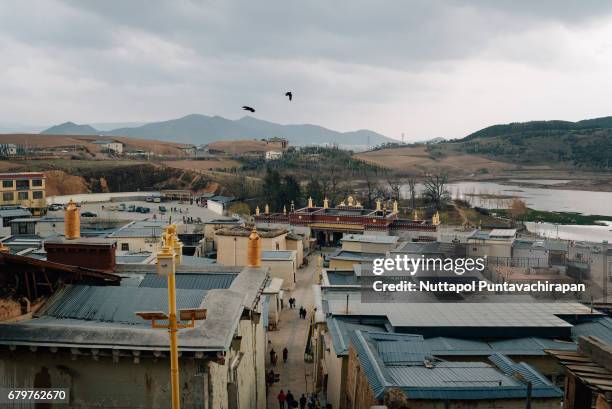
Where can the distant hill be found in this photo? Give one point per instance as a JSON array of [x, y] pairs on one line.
[[586, 143], [70, 128], [203, 129]]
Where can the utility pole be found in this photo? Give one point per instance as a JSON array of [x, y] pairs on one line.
[[168, 258]]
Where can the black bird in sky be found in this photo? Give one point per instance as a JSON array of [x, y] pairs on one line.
[[246, 108], [289, 94]]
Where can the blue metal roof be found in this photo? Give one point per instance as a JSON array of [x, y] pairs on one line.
[[115, 304], [396, 366], [191, 281], [600, 327], [341, 278], [341, 330]]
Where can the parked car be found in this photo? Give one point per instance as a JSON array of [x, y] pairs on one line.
[[149, 199], [121, 207], [157, 200], [142, 209], [88, 214], [55, 207], [131, 208], [162, 209]]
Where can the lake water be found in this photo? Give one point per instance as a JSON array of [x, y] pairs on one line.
[[586, 202], [562, 200]]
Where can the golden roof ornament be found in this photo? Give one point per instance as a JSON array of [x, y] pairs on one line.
[[310, 203], [378, 208], [267, 209], [435, 220], [395, 208], [284, 210], [254, 249], [257, 211], [350, 201], [325, 203], [416, 215]]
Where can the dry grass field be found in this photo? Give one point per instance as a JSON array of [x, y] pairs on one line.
[[53, 141], [240, 147], [202, 165], [410, 159]]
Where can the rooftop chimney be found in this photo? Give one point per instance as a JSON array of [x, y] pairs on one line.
[[72, 222], [254, 249]]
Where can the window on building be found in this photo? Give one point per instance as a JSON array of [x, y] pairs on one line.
[[23, 185], [37, 182], [7, 183], [23, 228], [125, 246], [8, 196], [38, 194], [22, 195]]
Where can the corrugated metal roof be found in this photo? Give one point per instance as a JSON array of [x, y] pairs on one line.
[[15, 212], [341, 278], [601, 328], [190, 281], [115, 304], [341, 330], [444, 380]]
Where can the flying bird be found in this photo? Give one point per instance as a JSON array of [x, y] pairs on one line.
[[246, 108], [289, 94]]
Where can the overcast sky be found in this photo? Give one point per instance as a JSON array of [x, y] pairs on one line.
[[423, 68]]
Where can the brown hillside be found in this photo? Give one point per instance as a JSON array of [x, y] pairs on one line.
[[410, 159], [51, 141], [241, 147]]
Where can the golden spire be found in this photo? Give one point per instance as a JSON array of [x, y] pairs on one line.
[[310, 204], [350, 201], [257, 211], [378, 208], [284, 210], [254, 249], [72, 221], [435, 220], [326, 203], [267, 209], [395, 208]]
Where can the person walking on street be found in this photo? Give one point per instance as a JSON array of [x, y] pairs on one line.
[[285, 355], [289, 398], [303, 401], [272, 353], [281, 399]]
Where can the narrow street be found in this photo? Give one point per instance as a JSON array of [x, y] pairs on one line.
[[295, 374]]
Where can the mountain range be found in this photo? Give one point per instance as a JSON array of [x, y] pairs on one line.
[[202, 129]]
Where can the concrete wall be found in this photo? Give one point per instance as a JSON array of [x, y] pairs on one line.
[[215, 207], [232, 250], [367, 247], [139, 243], [490, 248], [102, 383], [298, 247], [336, 374], [285, 269]]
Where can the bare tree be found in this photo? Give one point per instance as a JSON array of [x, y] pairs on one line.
[[435, 190], [394, 187], [518, 209], [412, 190]]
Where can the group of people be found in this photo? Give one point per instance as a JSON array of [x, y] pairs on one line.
[[303, 312], [274, 357], [288, 401]]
